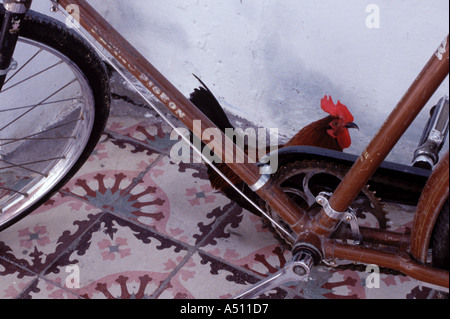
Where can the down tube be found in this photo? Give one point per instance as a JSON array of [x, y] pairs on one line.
[[182, 108]]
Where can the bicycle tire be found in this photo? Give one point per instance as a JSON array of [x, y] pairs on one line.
[[54, 34], [440, 240]]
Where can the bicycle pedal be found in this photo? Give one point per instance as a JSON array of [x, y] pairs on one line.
[[295, 270]]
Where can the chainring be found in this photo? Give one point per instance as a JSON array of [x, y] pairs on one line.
[[304, 180]]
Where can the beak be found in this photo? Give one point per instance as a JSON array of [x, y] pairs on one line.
[[351, 125]]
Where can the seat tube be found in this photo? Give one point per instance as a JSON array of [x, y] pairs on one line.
[[9, 33]]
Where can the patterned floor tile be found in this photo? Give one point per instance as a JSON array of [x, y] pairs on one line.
[[109, 156], [109, 176], [142, 135], [42, 289], [204, 277], [241, 240], [13, 279], [117, 259], [177, 201], [37, 240]]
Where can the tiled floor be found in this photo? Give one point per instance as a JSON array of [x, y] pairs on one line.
[[132, 224]]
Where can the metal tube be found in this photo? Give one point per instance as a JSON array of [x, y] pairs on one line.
[[9, 33], [432, 75], [376, 236], [400, 262]]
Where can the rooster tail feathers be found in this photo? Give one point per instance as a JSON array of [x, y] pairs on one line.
[[205, 101]]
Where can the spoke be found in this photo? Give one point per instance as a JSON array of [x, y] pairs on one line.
[[24, 65], [47, 103], [32, 136], [14, 140], [14, 191], [12, 165], [32, 76], [39, 104]]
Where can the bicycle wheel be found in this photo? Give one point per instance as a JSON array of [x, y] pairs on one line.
[[53, 109], [440, 240]]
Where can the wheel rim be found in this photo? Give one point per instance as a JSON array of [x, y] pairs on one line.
[[46, 117]]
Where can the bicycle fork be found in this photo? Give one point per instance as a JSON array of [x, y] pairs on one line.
[[9, 33]]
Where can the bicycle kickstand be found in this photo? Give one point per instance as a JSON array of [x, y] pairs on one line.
[[295, 270]]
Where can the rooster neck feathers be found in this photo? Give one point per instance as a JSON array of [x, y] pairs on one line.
[[330, 132], [315, 134]]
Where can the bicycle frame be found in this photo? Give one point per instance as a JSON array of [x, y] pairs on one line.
[[313, 234], [9, 35]]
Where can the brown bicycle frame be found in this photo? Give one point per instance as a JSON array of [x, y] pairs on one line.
[[313, 231]]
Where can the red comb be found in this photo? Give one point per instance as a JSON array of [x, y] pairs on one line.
[[338, 110]]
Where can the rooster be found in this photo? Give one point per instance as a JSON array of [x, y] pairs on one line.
[[331, 132]]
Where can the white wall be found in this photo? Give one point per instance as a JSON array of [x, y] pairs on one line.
[[271, 61]]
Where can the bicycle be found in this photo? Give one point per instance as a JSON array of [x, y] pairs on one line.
[[77, 108]]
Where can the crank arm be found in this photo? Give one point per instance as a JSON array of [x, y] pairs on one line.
[[295, 270]]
